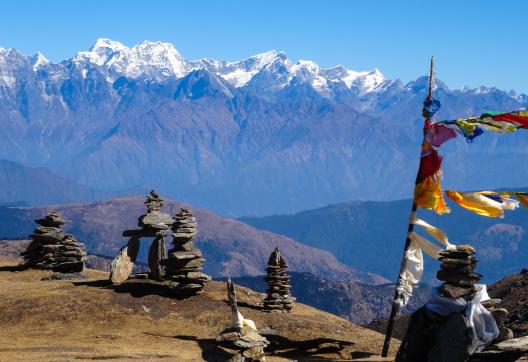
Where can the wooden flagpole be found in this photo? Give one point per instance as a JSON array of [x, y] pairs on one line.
[[395, 306]]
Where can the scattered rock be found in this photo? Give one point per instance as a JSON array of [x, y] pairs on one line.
[[66, 276], [515, 349]]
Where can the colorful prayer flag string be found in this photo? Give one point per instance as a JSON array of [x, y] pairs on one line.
[[473, 127], [488, 203]]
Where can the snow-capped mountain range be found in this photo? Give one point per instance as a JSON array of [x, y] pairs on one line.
[[256, 136], [159, 61]]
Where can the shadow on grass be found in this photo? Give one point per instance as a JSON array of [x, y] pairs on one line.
[[207, 345], [136, 288], [309, 350], [245, 305], [13, 268]]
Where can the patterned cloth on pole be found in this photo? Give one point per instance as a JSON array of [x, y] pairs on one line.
[[487, 203], [496, 122], [428, 190], [414, 261]]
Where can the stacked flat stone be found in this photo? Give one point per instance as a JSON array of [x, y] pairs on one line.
[[279, 290], [184, 264], [457, 273], [52, 249]]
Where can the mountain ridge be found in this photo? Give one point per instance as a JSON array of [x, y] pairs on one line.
[[230, 246], [361, 233], [293, 136]]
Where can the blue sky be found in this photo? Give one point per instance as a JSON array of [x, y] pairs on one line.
[[475, 42]]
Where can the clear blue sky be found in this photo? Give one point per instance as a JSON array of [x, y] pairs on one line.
[[475, 42]]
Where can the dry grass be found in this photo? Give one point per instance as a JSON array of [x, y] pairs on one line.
[[89, 320]]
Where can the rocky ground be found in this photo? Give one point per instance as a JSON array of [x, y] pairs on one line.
[[88, 319]]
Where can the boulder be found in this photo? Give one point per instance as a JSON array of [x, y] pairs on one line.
[[121, 266]]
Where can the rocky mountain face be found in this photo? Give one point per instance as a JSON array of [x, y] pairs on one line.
[[370, 235], [258, 136], [230, 247]]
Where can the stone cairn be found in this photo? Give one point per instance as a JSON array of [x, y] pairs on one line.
[[50, 248], [154, 224], [457, 273], [183, 267], [241, 341], [432, 337], [279, 290]]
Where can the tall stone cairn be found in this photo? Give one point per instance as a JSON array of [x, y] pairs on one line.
[[50, 248], [457, 273], [184, 264], [279, 290]]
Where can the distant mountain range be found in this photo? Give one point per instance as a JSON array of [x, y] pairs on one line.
[[259, 136], [370, 235], [231, 248], [22, 185]]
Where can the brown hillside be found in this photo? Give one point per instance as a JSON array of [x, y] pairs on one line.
[[65, 320], [230, 246]]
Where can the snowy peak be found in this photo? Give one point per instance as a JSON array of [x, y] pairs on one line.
[[241, 72], [153, 60], [365, 82], [107, 44], [101, 52], [38, 61]]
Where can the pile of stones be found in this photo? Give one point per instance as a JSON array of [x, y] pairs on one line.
[[240, 341], [50, 248], [279, 296], [184, 264], [154, 224], [457, 273], [434, 337]]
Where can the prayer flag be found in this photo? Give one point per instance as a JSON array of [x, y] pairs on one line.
[[485, 203], [496, 122], [428, 190]]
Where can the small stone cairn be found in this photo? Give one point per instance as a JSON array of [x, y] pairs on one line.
[[457, 273], [50, 248], [183, 267], [279, 290], [154, 224], [241, 341]]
